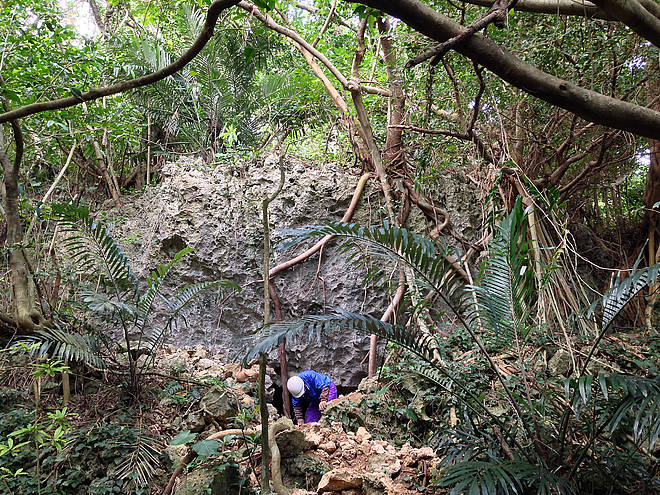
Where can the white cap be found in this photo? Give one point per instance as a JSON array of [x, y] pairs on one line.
[[296, 386]]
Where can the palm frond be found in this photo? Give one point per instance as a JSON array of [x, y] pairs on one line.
[[498, 477], [630, 397], [154, 282], [341, 320], [140, 465], [622, 292], [506, 283], [105, 307], [67, 346], [429, 259], [92, 247]]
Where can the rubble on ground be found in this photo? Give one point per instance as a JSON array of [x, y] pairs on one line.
[[317, 458]]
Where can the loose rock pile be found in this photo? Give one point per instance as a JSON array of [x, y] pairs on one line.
[[356, 464], [317, 458]]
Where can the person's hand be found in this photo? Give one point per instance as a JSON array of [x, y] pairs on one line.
[[300, 422], [323, 405]]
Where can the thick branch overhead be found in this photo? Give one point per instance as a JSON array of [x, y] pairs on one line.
[[590, 105]]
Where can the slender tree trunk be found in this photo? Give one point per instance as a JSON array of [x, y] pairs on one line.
[[265, 471], [393, 152], [28, 317], [652, 195]]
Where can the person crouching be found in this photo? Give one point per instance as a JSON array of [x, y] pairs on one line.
[[311, 392]]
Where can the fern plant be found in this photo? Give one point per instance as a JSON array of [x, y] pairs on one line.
[[494, 312], [111, 293]]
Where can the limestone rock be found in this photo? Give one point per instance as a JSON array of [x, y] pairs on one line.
[[369, 385], [378, 484], [362, 433], [219, 404], [292, 443], [304, 470], [194, 421], [205, 363], [560, 363], [384, 463], [338, 480], [217, 212], [203, 482], [328, 447], [174, 454], [423, 453]]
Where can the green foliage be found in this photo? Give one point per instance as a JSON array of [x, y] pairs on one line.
[[500, 312], [627, 398], [70, 347], [116, 299], [98, 459], [506, 283]]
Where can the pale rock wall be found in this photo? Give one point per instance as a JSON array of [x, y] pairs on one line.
[[217, 212]]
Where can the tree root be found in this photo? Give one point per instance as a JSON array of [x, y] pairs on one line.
[[281, 424], [347, 216]]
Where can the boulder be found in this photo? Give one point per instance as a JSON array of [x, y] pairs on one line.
[[378, 484], [304, 470], [219, 404], [384, 463], [292, 443], [560, 363], [173, 455], [338, 480], [217, 482]]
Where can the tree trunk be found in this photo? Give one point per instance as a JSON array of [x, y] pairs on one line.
[[28, 317], [652, 194], [393, 152]]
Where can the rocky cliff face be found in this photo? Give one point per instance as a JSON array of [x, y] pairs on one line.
[[217, 212]]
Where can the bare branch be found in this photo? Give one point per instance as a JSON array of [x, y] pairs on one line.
[[496, 15], [269, 22]]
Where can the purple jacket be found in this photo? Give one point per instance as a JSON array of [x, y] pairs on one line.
[[314, 384]]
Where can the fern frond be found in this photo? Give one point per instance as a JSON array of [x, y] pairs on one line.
[[339, 319], [430, 260], [154, 281], [496, 477], [506, 283], [141, 463], [185, 296], [622, 292], [91, 246], [67, 346], [637, 399]]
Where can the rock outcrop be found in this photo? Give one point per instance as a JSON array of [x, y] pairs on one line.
[[217, 212]]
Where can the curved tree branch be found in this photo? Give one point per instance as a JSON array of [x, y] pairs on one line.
[[635, 16], [590, 105], [269, 22], [579, 8], [212, 15]]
